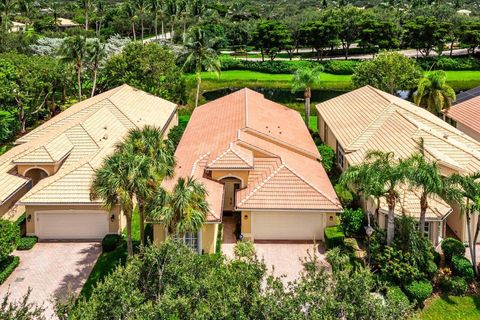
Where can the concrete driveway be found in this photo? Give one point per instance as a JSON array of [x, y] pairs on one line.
[[51, 270], [284, 259]]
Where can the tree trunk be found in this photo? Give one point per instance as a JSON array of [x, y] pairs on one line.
[[263, 57], [129, 234], [79, 81], [307, 95], [474, 255], [163, 31], [141, 25], [346, 51], [133, 30], [199, 80], [86, 19], [171, 33], [391, 219], [156, 25], [141, 212], [94, 86], [423, 210], [471, 245], [451, 49]]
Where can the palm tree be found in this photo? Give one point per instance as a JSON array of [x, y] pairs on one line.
[[425, 177], [86, 5], [142, 7], [201, 55], [434, 94], [100, 14], [6, 9], [171, 8], [184, 210], [149, 141], [116, 181], [158, 10], [304, 79], [131, 14], [26, 6], [465, 192], [96, 53], [73, 50]]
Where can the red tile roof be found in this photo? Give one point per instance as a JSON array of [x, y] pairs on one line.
[[467, 113]]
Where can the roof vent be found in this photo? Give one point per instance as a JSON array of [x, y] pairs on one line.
[[105, 136], [105, 128], [445, 136]]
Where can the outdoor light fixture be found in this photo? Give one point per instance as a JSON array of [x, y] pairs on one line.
[[112, 218], [245, 217], [29, 218]]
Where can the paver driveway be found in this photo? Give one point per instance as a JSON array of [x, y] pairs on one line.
[[284, 259], [51, 269]]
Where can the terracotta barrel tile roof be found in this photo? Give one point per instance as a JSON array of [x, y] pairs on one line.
[[467, 113]]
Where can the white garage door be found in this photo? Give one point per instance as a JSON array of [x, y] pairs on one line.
[[287, 226], [71, 224]]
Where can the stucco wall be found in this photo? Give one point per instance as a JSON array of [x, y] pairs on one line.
[[247, 225], [456, 221], [209, 237], [240, 174], [113, 227], [5, 207], [472, 133]]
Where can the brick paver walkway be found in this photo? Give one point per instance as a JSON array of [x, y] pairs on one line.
[[51, 269]]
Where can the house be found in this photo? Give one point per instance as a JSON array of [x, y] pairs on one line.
[[369, 119], [48, 173], [66, 23], [260, 167], [466, 95], [17, 27], [465, 116]]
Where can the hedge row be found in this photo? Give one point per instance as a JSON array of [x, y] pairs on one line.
[[334, 236], [7, 266], [26, 243], [449, 64]]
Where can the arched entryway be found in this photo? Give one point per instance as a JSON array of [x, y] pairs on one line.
[[231, 218], [36, 174]]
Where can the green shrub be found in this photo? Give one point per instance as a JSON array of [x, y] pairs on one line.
[[328, 156], [344, 195], [244, 249], [452, 247], [456, 286], [26, 243], [396, 266], [7, 266], [9, 236], [462, 267], [334, 236], [110, 242], [419, 291], [176, 133], [352, 221], [338, 259], [341, 66], [449, 64], [396, 297]]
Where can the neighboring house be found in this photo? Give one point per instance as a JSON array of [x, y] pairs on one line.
[[369, 119], [466, 95], [49, 173], [465, 116], [17, 27], [260, 166], [66, 23]]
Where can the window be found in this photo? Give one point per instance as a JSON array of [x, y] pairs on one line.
[[426, 229], [340, 156], [191, 240]]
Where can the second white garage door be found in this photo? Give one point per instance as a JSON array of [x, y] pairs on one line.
[[71, 224], [287, 226]]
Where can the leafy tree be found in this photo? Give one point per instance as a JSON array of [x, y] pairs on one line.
[[27, 8], [270, 37], [87, 7], [7, 129], [158, 9], [425, 33], [22, 309], [149, 67], [349, 19], [304, 79], [320, 35], [7, 7], [142, 6], [434, 94], [99, 15], [128, 9], [184, 209], [149, 141], [9, 237], [328, 156], [74, 51], [379, 33], [389, 71], [96, 53], [200, 55], [470, 34]]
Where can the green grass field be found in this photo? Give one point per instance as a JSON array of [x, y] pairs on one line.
[[452, 308]]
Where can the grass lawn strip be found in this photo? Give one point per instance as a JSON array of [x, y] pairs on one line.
[[451, 308]]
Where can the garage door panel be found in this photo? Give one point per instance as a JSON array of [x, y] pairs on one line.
[[287, 226], [71, 224]]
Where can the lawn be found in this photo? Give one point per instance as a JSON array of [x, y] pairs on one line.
[[452, 308]]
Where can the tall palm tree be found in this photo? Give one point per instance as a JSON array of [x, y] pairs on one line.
[[158, 10], [425, 177], [26, 6], [73, 50], [171, 9], [142, 6], [100, 15], [131, 13], [304, 79], [6, 9], [466, 193], [434, 94], [116, 181], [149, 141], [87, 6], [184, 210], [96, 53], [200, 55]]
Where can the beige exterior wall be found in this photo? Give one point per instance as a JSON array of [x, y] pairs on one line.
[[456, 221], [5, 207], [113, 227], [332, 219], [247, 225], [172, 124], [472, 133], [158, 233], [240, 174]]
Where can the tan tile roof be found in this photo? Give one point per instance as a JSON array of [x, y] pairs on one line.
[[369, 119], [467, 113], [84, 134], [230, 130]]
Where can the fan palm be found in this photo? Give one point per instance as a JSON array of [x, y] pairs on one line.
[[304, 79], [434, 94], [116, 181], [96, 53], [6, 9], [74, 50], [200, 55], [465, 191], [184, 210], [149, 141]]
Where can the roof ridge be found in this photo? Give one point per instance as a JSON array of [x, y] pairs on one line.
[[88, 133], [262, 183], [311, 185], [218, 157], [238, 153], [194, 166], [113, 104]]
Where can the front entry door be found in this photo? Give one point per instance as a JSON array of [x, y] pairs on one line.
[[231, 186]]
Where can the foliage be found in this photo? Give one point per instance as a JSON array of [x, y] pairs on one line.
[[26, 243], [352, 221], [7, 266], [452, 247], [244, 249], [21, 309], [9, 236], [334, 236], [434, 94], [397, 299], [338, 259], [449, 63], [462, 267], [341, 66], [456, 286], [344, 195], [395, 266], [147, 67], [110, 242], [389, 71], [176, 133], [328, 156], [426, 34], [271, 37], [419, 291]]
